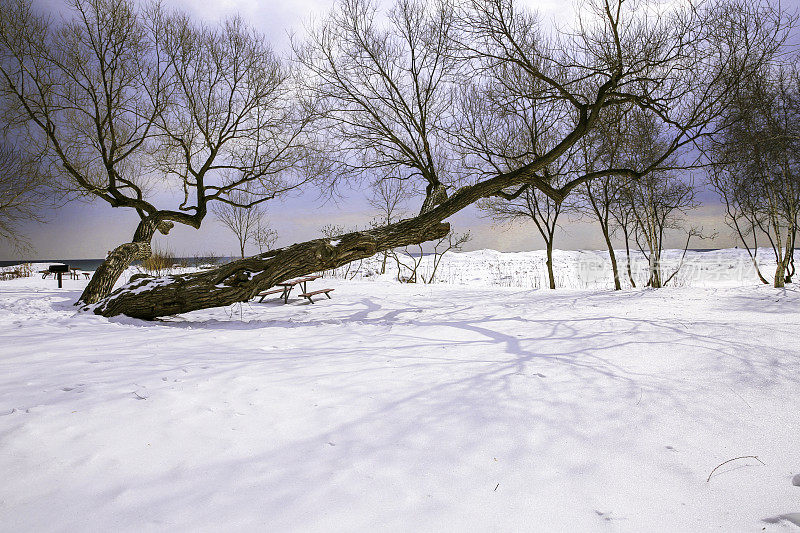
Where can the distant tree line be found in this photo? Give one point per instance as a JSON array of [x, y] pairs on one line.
[[460, 101]]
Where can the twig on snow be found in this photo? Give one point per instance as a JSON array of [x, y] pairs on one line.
[[735, 458]]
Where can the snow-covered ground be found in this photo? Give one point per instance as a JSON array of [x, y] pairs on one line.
[[406, 408]]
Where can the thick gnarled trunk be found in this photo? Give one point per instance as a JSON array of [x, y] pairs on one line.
[[238, 281], [111, 269], [120, 258]]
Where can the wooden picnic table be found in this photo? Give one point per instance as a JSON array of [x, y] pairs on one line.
[[287, 286], [290, 284]]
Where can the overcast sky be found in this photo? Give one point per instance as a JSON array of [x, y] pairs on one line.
[[90, 230]]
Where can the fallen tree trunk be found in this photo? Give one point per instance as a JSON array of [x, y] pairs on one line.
[[149, 297]]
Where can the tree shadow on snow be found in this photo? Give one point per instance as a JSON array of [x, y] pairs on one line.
[[465, 379]]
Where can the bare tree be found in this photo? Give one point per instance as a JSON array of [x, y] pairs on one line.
[[533, 205], [383, 91], [248, 224], [264, 237], [657, 200], [121, 98], [758, 166], [388, 197], [625, 221], [452, 242], [409, 261], [673, 63], [599, 199], [601, 196], [646, 207]]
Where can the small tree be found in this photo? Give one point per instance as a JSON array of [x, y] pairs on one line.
[[644, 207], [248, 224], [265, 237], [657, 202], [624, 220], [451, 242], [600, 196], [532, 204], [388, 198]]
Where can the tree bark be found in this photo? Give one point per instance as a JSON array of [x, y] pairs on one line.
[[779, 280], [550, 275], [628, 256], [654, 262], [613, 256], [782, 267], [148, 298], [121, 258], [788, 259]]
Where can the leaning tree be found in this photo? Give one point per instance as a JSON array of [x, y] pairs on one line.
[[127, 104], [394, 90]]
